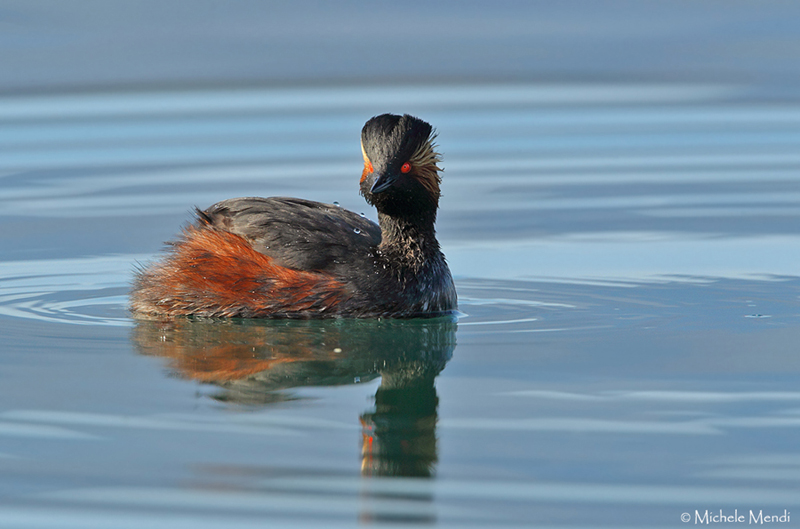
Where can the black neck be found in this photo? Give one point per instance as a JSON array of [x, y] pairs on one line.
[[414, 237]]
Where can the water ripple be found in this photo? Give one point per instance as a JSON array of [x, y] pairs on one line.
[[93, 291], [80, 291]]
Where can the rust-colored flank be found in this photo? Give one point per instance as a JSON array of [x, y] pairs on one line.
[[217, 273]]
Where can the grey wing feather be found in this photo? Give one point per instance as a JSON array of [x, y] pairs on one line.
[[299, 234]]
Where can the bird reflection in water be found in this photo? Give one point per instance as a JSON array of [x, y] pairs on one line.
[[254, 362]]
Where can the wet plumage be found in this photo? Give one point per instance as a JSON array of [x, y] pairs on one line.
[[294, 258]]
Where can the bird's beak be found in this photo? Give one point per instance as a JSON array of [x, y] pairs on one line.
[[383, 182]]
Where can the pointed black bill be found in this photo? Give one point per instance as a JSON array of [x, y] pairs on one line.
[[383, 182]]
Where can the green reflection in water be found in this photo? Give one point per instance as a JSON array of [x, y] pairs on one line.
[[255, 363]]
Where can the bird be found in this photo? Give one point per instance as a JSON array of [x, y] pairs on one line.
[[285, 257]]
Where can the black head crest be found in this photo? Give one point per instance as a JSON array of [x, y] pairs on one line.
[[390, 139], [401, 175]]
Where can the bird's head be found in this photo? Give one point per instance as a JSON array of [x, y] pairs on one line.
[[401, 176]]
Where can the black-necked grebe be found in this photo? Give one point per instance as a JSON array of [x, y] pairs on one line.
[[294, 258]]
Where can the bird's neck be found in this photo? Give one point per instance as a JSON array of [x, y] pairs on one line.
[[408, 238]]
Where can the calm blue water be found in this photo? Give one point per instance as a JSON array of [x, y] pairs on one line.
[[626, 260], [621, 211]]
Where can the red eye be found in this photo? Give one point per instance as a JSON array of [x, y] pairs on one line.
[[405, 168]]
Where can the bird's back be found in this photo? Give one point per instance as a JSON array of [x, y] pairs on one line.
[[296, 233]]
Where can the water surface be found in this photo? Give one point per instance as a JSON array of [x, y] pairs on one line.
[[626, 260]]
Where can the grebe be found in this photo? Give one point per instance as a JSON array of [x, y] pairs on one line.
[[292, 258]]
